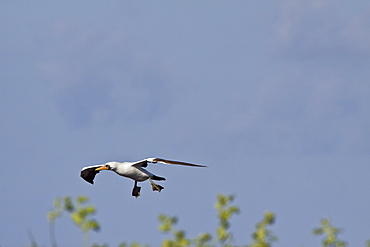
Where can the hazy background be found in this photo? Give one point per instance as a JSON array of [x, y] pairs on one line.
[[273, 96]]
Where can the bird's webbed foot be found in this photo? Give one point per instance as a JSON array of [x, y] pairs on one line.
[[136, 190], [156, 187]]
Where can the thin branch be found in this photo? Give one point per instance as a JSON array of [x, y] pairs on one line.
[[32, 238], [53, 240]]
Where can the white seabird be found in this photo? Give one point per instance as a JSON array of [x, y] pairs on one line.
[[133, 170]]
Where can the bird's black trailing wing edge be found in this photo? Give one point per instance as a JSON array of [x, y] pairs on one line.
[[141, 163], [154, 177], [144, 164], [88, 174]]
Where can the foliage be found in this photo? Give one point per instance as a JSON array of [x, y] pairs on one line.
[[225, 211], [330, 232], [223, 236], [80, 214], [167, 226], [263, 237]]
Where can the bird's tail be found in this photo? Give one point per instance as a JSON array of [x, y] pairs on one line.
[[154, 177]]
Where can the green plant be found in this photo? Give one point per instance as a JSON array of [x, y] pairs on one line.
[[223, 236], [167, 226], [330, 234], [263, 237], [79, 213], [224, 212]]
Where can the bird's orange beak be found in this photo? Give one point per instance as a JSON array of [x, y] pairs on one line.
[[102, 168]]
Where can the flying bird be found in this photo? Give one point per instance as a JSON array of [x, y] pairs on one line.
[[133, 170]]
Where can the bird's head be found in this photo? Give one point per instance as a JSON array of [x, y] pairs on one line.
[[104, 167], [112, 165]]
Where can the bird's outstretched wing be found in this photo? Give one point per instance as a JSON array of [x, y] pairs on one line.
[[88, 173], [140, 163], [172, 162]]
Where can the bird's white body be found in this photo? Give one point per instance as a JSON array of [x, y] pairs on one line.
[[128, 170]]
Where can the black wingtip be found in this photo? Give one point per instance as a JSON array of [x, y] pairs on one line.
[[89, 174]]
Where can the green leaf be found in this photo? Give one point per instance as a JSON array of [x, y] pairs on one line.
[[77, 219], [51, 216], [68, 205], [90, 210], [203, 238], [269, 217], [57, 203], [82, 199], [93, 224]]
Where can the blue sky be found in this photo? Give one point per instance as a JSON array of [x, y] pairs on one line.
[[273, 96]]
